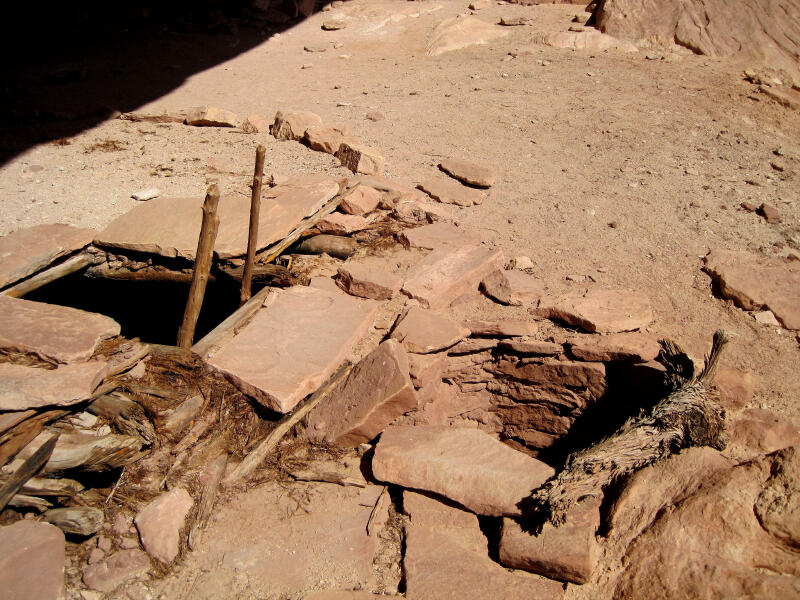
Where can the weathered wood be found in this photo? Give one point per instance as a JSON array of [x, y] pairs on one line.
[[202, 266], [245, 468], [145, 118], [689, 416], [126, 415], [380, 505], [262, 274], [42, 486], [337, 246], [252, 236], [149, 390], [328, 477], [194, 434], [15, 439], [25, 501], [26, 470], [11, 419], [227, 329], [90, 452], [209, 479], [274, 251], [77, 520], [176, 464], [181, 356], [121, 362], [69, 266]]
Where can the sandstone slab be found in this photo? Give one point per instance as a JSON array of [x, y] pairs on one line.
[[369, 277], [447, 557], [600, 311], [160, 523], [210, 116], [567, 553], [426, 368], [170, 226], [292, 125], [410, 209], [361, 201], [377, 391], [461, 32], [513, 287], [52, 332], [448, 191], [360, 158], [465, 465], [468, 172], [755, 283], [535, 347], [32, 561], [271, 358], [106, 576], [439, 235], [28, 251], [626, 347], [506, 328], [255, 124], [24, 387], [449, 273], [423, 331], [326, 138], [341, 224]]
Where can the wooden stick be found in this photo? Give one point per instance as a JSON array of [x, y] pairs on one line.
[[328, 477], [202, 266], [71, 265], [228, 327], [252, 237], [27, 470], [380, 505], [245, 468], [210, 478]]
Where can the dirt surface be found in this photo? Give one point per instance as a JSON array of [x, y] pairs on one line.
[[614, 169]]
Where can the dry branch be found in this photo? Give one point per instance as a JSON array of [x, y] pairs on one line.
[[689, 416], [245, 468], [252, 235], [125, 414], [89, 452], [380, 505], [328, 477]]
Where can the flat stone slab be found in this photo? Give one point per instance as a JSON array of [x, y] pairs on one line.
[[535, 347], [567, 553], [468, 172], [160, 523], [28, 251], [294, 344], [755, 283], [465, 465], [24, 387], [170, 226], [211, 116], [341, 224], [447, 556], [513, 287], [439, 235], [361, 200], [375, 393], [461, 32], [625, 347], [106, 576], [52, 332], [448, 273], [506, 328], [369, 277], [600, 311], [448, 191], [31, 561], [423, 331]]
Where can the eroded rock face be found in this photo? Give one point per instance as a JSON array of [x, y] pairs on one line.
[[767, 31]]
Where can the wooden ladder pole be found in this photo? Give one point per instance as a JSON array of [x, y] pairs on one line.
[[202, 267], [252, 238]]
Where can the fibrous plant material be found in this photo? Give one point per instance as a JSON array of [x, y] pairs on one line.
[[689, 416]]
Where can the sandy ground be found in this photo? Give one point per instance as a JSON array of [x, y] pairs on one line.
[[665, 150]]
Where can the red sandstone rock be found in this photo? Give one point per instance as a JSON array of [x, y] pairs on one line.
[[423, 331], [326, 138], [31, 561], [735, 388], [106, 576], [369, 278], [450, 192], [449, 273], [27, 251], [425, 368], [210, 116], [361, 201], [472, 345], [571, 374], [467, 172], [755, 283], [536, 347], [160, 522], [513, 287], [627, 347], [756, 431], [281, 373], [293, 125], [567, 553], [340, 224], [377, 391], [439, 235], [360, 158], [24, 387], [467, 466], [447, 557], [506, 328], [600, 311], [255, 124]]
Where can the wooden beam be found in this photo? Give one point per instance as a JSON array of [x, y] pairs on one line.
[[69, 266], [252, 236], [202, 266]]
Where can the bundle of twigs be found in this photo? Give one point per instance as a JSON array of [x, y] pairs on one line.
[[689, 416]]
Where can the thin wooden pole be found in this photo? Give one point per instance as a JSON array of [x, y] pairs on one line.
[[252, 238], [202, 267]]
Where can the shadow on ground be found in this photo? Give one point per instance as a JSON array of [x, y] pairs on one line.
[[68, 66]]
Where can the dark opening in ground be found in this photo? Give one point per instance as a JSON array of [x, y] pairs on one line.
[[149, 310]]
